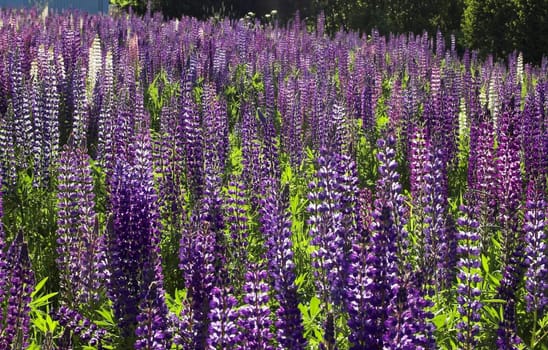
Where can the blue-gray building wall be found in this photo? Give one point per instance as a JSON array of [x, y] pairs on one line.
[[91, 6]]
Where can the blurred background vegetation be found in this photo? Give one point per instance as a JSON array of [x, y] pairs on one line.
[[490, 26]]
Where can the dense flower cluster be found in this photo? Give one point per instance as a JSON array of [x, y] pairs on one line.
[[536, 259], [276, 225], [469, 279], [82, 327], [20, 282], [82, 261], [232, 184]]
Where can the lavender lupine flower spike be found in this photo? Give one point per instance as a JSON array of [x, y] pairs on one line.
[[16, 332], [469, 280], [152, 323], [481, 172], [3, 262], [380, 268], [23, 132], [254, 320], [81, 259], [202, 259], [509, 193], [276, 227], [81, 326], [223, 332], [51, 116], [536, 259], [81, 117], [406, 324], [192, 127], [133, 241], [357, 292], [430, 205], [330, 198]]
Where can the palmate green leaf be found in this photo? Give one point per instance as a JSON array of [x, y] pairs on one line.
[[311, 321], [43, 322], [439, 321]]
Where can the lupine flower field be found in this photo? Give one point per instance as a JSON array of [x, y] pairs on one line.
[[231, 185]]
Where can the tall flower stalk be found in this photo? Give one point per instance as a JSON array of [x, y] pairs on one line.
[[469, 279]]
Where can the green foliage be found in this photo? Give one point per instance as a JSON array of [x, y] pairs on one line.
[[158, 94], [33, 210], [137, 5], [311, 313], [44, 328], [501, 26]]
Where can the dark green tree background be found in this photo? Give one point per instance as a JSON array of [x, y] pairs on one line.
[[491, 26]]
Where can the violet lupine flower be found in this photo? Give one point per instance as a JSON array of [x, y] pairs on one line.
[[378, 274], [469, 279], [236, 216], [254, 316], [81, 260], [193, 146], [536, 259], [408, 326], [357, 293], [425, 204], [20, 279], [327, 230], [23, 130], [38, 121], [481, 175], [50, 131], [8, 160], [215, 126], [105, 121], [85, 329], [152, 322], [223, 330], [534, 143], [196, 261], [4, 269], [276, 228], [509, 192], [202, 258], [508, 178], [401, 313], [133, 235], [81, 113], [418, 157], [438, 239]]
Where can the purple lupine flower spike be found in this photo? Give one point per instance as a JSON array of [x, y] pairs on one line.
[[16, 332], [276, 228], [509, 193], [82, 327], [81, 113], [202, 257], [3, 262], [332, 226], [254, 316], [469, 280], [133, 239], [536, 259], [152, 323], [223, 331], [80, 247]]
